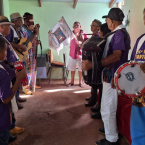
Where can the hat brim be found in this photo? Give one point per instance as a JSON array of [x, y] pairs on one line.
[[106, 16], [17, 18], [6, 23]]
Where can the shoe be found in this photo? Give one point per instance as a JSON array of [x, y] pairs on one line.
[[96, 115], [37, 87], [28, 92], [87, 98], [102, 131], [21, 99], [16, 130], [70, 84], [81, 85], [106, 142], [20, 106], [91, 102], [12, 138], [96, 108]]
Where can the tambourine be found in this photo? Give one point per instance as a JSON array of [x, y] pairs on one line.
[[130, 79]]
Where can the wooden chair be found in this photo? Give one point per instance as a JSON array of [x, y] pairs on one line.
[[55, 64]]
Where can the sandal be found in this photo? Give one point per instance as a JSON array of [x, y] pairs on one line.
[[70, 84], [28, 92], [81, 85], [37, 87]]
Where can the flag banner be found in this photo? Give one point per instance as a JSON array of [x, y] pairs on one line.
[[60, 36]]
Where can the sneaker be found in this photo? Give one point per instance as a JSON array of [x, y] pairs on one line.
[[21, 99], [106, 142], [20, 106], [37, 87], [102, 131], [28, 92], [96, 108], [87, 98], [91, 102], [12, 138], [96, 115], [16, 130]]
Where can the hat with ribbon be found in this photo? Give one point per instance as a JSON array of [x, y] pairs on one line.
[[15, 16], [5, 21]]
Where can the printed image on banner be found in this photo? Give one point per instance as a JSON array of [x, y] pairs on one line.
[[60, 36]]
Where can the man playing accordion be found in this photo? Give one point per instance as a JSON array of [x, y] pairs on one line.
[[117, 54]]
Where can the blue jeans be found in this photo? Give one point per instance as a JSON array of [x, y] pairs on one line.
[[4, 137], [138, 125]]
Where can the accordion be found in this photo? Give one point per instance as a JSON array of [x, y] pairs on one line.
[[92, 50]]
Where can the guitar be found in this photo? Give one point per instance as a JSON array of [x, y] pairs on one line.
[[23, 55]]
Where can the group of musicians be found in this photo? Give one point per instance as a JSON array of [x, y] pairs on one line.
[[105, 52], [113, 54], [15, 38]]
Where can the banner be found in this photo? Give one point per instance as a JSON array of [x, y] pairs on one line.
[[60, 36]]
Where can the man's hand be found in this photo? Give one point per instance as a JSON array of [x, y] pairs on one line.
[[37, 26], [36, 29], [37, 42], [112, 84], [142, 66], [21, 74], [23, 47], [86, 65]]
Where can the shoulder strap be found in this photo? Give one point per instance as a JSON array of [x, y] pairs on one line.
[[1, 67], [125, 34]]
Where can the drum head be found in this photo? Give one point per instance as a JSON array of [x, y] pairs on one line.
[[130, 79]]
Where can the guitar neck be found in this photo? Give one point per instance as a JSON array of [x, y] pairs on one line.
[[30, 38]]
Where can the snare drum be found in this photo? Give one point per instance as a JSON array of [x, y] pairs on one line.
[[130, 79]]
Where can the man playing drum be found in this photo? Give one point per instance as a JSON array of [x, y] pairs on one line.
[[117, 54], [138, 106]]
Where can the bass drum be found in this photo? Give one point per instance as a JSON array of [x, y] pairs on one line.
[[130, 79], [92, 50]]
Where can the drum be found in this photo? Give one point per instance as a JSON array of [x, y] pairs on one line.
[[130, 79]]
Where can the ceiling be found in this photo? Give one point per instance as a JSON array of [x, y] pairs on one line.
[[83, 1]]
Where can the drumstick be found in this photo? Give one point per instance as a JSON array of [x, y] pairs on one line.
[[87, 34]]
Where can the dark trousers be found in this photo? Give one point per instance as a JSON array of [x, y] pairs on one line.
[[94, 92], [4, 137]]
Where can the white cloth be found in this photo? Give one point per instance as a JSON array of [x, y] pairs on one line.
[[14, 31], [108, 111], [13, 101], [74, 63], [109, 40], [60, 36]]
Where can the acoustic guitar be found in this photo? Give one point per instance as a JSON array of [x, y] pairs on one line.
[[23, 55]]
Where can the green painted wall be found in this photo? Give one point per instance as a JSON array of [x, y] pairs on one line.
[[50, 12], [6, 8], [136, 27]]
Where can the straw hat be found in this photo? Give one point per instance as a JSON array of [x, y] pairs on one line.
[[15, 16], [5, 21]]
